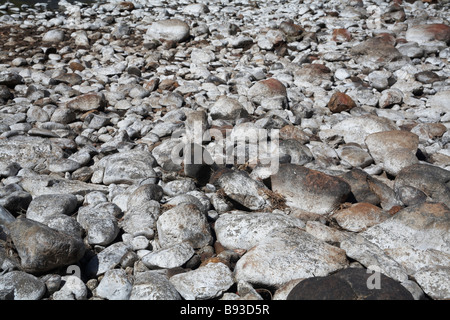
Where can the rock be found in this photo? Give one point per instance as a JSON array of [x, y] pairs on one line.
[[206, 282], [379, 79], [376, 52], [101, 226], [431, 180], [169, 30], [241, 230], [356, 129], [394, 150], [390, 97], [238, 186], [170, 257], [354, 156], [22, 286], [341, 35], [349, 284], [428, 32], [312, 75], [228, 109], [10, 79], [360, 216], [87, 102], [55, 35], [184, 222], [308, 189], [439, 101], [107, 259], [59, 249], [151, 285], [51, 204], [325, 233], [288, 254], [340, 102], [115, 285], [73, 289], [434, 282], [270, 94], [298, 153], [128, 167]]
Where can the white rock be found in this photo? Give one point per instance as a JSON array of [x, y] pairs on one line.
[[171, 257], [115, 285], [206, 282], [73, 289]]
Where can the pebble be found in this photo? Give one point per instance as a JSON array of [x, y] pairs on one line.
[[100, 108]]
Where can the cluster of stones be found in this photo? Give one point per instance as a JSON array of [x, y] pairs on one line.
[[95, 98]]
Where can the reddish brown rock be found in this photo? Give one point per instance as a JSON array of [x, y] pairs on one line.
[[341, 35], [429, 32], [340, 102]]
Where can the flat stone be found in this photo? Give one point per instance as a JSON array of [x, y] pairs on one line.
[[206, 282], [107, 259], [242, 230], [170, 257], [151, 285], [308, 189], [312, 75], [288, 254], [87, 102], [51, 204]]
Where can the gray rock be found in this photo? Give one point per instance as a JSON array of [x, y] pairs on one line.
[[151, 285], [170, 257], [178, 187], [10, 79], [288, 254], [22, 286], [207, 282], [242, 230], [308, 189], [101, 226], [73, 289], [59, 249], [227, 108], [51, 204], [115, 285], [184, 222], [107, 259], [434, 281], [169, 30], [87, 102], [54, 35]]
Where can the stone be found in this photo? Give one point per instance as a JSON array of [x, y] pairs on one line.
[[169, 30], [376, 52], [439, 101], [170, 257], [128, 167], [308, 189], [298, 153], [100, 225], [325, 233], [140, 217], [269, 94], [340, 102], [360, 216], [379, 79], [356, 129], [349, 284], [228, 109], [59, 249], [10, 79], [54, 35], [354, 156], [341, 35], [87, 102], [394, 150], [428, 32], [390, 97], [73, 289], [115, 285], [312, 75], [207, 282], [242, 230], [151, 285], [22, 286], [238, 186], [107, 259], [434, 281], [431, 180], [288, 254], [184, 222], [51, 204]]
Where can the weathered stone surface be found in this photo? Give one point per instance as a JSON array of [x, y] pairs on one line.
[[269, 93], [41, 248], [288, 254], [309, 190], [22, 286], [169, 30], [434, 281], [87, 102], [360, 216], [349, 284], [73, 289], [170, 257], [115, 285], [340, 102], [242, 230], [151, 285], [206, 282], [184, 222], [428, 32]]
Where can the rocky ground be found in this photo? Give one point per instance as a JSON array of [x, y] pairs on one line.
[[94, 99]]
